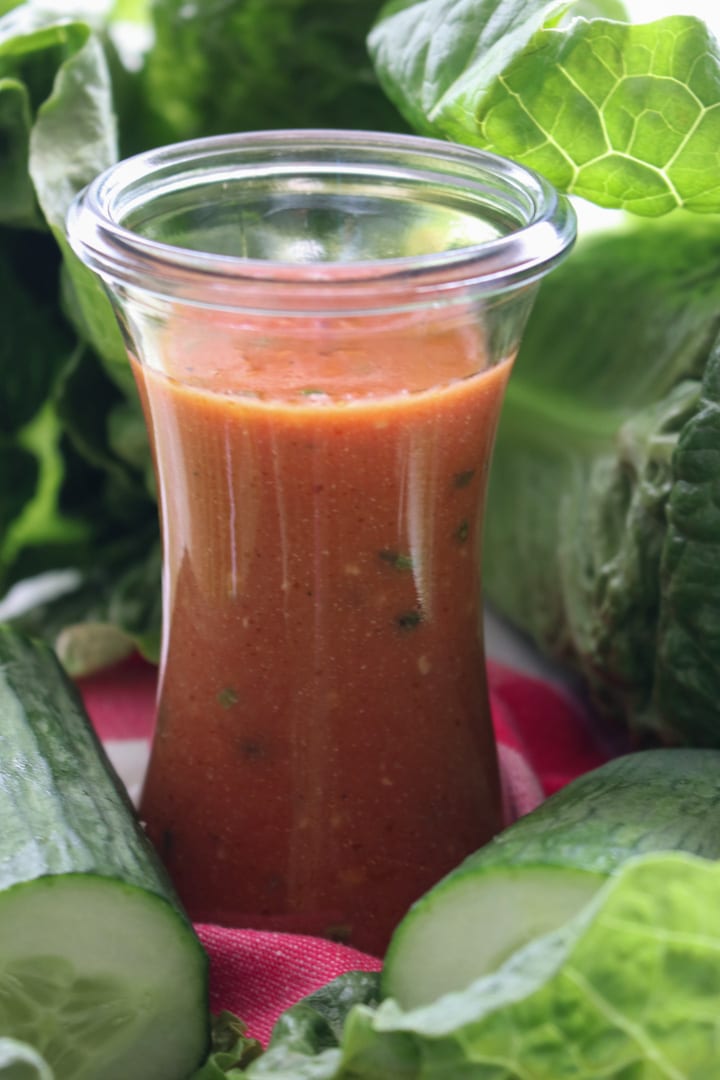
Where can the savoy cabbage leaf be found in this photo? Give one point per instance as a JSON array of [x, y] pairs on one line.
[[625, 115]]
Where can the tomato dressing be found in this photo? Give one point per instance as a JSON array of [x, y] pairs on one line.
[[324, 751]]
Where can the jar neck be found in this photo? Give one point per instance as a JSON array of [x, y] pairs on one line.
[[303, 222]]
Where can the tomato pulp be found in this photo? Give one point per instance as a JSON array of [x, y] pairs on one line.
[[324, 750]]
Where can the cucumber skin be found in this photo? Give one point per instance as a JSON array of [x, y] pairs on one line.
[[62, 806], [648, 801], [651, 800], [66, 815]]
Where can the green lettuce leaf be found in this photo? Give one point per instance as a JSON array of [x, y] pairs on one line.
[[231, 1049], [688, 634], [305, 1041], [74, 481], [624, 115], [101, 486], [73, 139], [598, 490], [247, 64], [628, 988], [631, 987]]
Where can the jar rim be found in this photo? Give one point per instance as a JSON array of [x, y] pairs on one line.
[[123, 257]]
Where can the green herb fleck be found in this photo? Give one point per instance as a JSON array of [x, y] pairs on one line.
[[252, 749], [409, 620], [313, 390], [462, 479], [227, 698], [340, 932], [462, 532], [397, 559]]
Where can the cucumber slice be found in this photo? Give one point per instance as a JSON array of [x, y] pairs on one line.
[[468, 926], [540, 872], [100, 969], [86, 969]]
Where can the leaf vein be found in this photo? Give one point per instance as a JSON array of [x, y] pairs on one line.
[[637, 1033], [549, 140], [598, 107], [663, 934]]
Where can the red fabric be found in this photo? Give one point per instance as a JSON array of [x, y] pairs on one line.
[[545, 739], [547, 726], [257, 975], [121, 699]]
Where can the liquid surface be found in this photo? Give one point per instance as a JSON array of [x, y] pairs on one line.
[[324, 751]]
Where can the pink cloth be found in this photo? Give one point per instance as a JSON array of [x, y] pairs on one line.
[[545, 739], [257, 975]]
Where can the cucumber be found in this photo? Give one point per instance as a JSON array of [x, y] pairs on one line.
[[538, 873], [100, 969]]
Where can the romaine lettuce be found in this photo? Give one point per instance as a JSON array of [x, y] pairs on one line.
[[629, 988], [602, 534]]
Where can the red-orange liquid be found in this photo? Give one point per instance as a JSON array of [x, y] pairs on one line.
[[324, 751]]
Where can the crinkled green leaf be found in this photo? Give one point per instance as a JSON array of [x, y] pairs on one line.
[[305, 1041], [688, 639], [630, 988], [116, 605], [231, 1049], [317, 1021], [84, 380], [584, 473], [625, 115]]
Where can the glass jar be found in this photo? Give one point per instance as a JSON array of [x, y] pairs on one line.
[[321, 325]]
